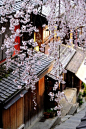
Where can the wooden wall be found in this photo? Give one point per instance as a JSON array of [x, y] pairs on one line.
[[13, 116], [72, 81], [22, 112], [41, 90], [1, 123], [30, 114]]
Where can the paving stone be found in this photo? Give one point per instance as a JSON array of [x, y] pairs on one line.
[[68, 121], [68, 116], [63, 119], [73, 109], [73, 121], [66, 107]]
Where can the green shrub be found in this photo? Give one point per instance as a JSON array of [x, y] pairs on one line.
[[84, 91], [80, 99], [80, 102], [80, 94]]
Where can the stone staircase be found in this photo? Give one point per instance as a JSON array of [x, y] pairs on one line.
[[70, 106], [66, 107], [72, 121], [73, 109], [71, 114]]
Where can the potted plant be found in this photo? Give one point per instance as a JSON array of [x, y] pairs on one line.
[[47, 114], [50, 113], [53, 112]]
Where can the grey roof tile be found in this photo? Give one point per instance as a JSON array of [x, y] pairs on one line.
[[7, 85], [65, 57], [17, 5], [75, 63]]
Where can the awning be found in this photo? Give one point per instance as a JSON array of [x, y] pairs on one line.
[[14, 99], [81, 73]]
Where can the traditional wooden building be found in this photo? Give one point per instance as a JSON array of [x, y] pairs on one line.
[[76, 70], [17, 112], [66, 55]]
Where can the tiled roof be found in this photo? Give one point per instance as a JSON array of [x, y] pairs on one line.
[[46, 9], [66, 54], [75, 63], [18, 4], [16, 7], [7, 86]]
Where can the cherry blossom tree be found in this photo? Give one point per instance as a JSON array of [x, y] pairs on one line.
[[23, 16], [74, 13], [63, 14]]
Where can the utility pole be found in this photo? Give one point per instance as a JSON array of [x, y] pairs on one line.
[[59, 31], [60, 86]]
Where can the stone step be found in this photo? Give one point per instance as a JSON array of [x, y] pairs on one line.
[[63, 119], [66, 107], [73, 109], [72, 122]]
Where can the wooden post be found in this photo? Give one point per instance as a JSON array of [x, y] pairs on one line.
[[6, 119], [13, 116], [19, 111], [1, 122]]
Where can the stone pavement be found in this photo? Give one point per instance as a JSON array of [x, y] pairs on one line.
[[51, 122], [45, 125], [70, 94], [72, 121]]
